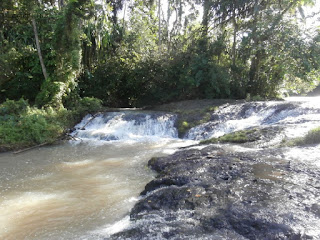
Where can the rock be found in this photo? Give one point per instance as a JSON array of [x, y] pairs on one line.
[[215, 194]]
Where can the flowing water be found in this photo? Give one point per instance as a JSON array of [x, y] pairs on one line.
[[75, 190], [85, 188], [297, 117]]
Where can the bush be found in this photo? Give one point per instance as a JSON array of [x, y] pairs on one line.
[[89, 105], [242, 136], [28, 130], [11, 107], [23, 126]]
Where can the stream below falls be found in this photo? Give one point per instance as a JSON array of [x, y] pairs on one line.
[[85, 188]]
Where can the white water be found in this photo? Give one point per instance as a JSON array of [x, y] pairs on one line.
[[85, 189], [126, 126], [296, 117], [78, 190]]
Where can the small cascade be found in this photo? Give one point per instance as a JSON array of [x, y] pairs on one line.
[[296, 117], [126, 125]]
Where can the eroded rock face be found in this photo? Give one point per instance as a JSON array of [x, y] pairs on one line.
[[215, 193]]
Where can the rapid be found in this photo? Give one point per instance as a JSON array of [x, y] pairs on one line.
[[86, 187]]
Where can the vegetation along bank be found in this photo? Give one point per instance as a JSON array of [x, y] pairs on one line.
[[61, 59]]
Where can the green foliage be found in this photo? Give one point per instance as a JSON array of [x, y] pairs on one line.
[[23, 126], [183, 127], [20, 70], [237, 48], [313, 136], [89, 105], [139, 80], [10, 107]]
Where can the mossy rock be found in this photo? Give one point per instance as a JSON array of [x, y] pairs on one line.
[[242, 136], [312, 137]]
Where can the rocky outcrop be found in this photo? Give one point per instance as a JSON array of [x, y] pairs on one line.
[[216, 194]]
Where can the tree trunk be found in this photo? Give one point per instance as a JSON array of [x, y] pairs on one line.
[[205, 18], [235, 31], [168, 24], [43, 67], [254, 67], [61, 4], [159, 13]]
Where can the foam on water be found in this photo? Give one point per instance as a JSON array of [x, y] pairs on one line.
[[309, 155], [109, 229], [300, 116], [126, 126], [97, 183]]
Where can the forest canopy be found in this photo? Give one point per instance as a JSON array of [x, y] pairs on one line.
[[136, 53]]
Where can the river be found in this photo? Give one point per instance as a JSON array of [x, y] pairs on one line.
[[84, 189]]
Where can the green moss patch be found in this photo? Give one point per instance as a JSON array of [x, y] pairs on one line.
[[312, 137], [242, 136]]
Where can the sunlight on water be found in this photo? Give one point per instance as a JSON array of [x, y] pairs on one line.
[[307, 155], [85, 189], [110, 229], [81, 189], [298, 117], [66, 192], [304, 99]]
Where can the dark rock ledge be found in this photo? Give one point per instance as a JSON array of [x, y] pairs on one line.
[[214, 194]]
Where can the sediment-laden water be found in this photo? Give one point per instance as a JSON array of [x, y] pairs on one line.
[[85, 188], [76, 189]]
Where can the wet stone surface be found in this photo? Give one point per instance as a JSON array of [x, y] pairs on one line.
[[215, 193]]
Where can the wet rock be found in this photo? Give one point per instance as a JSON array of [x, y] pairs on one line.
[[214, 193]]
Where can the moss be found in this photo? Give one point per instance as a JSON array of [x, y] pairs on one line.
[[190, 118], [242, 136], [312, 137]]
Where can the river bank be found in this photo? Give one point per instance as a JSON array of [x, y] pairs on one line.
[[24, 127]]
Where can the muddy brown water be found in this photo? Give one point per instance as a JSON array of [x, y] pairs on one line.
[[70, 191]]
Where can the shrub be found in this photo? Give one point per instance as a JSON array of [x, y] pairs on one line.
[[242, 136], [22, 125], [313, 136], [89, 105], [11, 107]]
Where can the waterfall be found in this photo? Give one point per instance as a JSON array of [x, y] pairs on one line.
[[126, 125], [296, 117]]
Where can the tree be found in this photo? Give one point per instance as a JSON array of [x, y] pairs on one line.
[[36, 36], [68, 50]]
